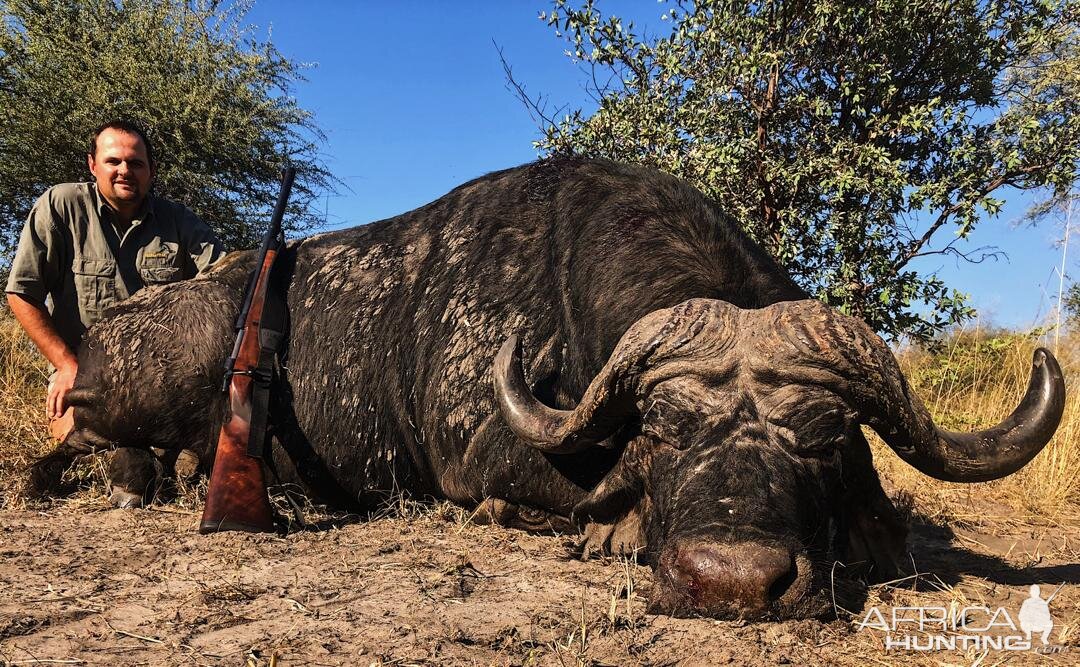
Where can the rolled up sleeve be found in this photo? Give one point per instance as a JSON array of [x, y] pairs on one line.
[[35, 271]]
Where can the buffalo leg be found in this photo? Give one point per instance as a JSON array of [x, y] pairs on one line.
[[521, 517], [515, 473], [135, 475], [46, 475]]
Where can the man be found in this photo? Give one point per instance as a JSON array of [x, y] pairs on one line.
[[88, 246]]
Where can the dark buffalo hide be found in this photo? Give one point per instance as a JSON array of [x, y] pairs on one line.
[[664, 385]]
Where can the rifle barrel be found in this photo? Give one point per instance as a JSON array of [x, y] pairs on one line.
[[288, 174]]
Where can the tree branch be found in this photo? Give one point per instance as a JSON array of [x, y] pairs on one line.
[[537, 109], [914, 249], [769, 213]]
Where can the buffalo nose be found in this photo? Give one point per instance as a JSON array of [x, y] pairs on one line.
[[721, 580]]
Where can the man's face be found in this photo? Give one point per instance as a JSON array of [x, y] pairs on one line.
[[121, 168]]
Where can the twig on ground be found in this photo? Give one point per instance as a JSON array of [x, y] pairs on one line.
[[170, 510], [125, 633]]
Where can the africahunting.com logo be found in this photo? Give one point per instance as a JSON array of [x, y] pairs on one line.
[[973, 627]]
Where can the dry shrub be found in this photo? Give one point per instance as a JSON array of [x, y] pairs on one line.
[[23, 431], [975, 381]]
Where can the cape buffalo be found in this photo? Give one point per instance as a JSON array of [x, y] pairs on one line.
[[661, 383]]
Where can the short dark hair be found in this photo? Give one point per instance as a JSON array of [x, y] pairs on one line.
[[122, 126]]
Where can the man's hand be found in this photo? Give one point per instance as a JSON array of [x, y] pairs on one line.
[[62, 382], [37, 323]]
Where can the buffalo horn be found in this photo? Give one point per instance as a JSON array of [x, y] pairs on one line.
[[545, 428], [984, 455], [610, 401], [81, 396]]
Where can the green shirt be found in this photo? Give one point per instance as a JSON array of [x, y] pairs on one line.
[[71, 250]]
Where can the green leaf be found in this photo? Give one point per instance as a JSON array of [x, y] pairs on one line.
[[884, 115]]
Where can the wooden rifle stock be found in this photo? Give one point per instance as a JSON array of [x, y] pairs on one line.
[[236, 498]]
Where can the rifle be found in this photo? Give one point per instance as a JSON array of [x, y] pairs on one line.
[[236, 498]]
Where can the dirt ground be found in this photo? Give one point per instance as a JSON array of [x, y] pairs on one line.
[[84, 584]]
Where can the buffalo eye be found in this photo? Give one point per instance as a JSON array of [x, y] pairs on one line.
[[812, 427]]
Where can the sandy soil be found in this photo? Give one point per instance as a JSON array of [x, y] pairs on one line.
[[83, 584]]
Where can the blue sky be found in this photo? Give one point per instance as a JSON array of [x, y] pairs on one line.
[[413, 101]]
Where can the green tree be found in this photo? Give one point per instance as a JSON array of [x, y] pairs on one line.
[[215, 100], [1070, 303], [844, 136]]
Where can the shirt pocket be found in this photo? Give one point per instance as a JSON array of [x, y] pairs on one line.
[[160, 268], [95, 286]]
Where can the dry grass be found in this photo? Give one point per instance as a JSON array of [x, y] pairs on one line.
[[23, 432], [976, 381]]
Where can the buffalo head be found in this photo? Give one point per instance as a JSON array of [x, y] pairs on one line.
[[737, 426]]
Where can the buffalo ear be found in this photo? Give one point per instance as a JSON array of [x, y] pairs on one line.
[[873, 532]]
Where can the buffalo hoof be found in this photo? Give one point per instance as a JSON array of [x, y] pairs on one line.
[[186, 465], [124, 499], [624, 538], [134, 477]]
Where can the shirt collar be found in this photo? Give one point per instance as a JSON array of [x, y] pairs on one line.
[[145, 212]]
